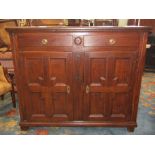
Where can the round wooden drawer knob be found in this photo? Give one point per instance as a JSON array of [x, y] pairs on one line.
[[112, 41], [78, 40]]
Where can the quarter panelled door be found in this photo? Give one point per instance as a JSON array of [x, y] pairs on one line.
[[95, 78], [35, 82], [60, 82], [121, 71], [109, 80], [48, 81]]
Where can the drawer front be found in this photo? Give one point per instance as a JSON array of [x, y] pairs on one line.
[[115, 39], [43, 40]]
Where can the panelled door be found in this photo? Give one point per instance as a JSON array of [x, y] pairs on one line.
[[108, 85], [95, 79], [60, 82], [48, 82], [122, 71]]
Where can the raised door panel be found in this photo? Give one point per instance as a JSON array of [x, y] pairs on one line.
[[60, 82], [95, 77], [122, 71], [35, 88]]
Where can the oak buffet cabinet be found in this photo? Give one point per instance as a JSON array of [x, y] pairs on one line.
[[78, 76]]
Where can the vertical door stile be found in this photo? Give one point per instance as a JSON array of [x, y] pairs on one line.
[[86, 84], [69, 82], [111, 75], [49, 87], [60, 84]]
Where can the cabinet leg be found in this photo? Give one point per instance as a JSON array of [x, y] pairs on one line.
[[24, 128], [131, 129]]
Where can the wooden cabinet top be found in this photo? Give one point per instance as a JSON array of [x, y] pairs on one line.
[[75, 28]]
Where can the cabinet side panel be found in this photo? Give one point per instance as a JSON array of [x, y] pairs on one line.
[[139, 73]]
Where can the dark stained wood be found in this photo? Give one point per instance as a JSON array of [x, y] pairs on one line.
[[79, 76], [77, 29], [108, 39], [148, 22], [48, 83], [44, 40], [24, 128], [80, 123], [110, 79]]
